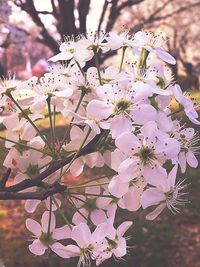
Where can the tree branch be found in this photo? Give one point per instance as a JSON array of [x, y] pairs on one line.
[[128, 4], [115, 11], [54, 12], [29, 7], [4, 179], [38, 181], [180, 10], [66, 21], [102, 15], [45, 12], [83, 9], [42, 195]]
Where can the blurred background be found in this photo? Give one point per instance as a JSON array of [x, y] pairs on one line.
[[30, 31]]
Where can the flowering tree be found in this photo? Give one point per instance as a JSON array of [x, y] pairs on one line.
[[119, 121]]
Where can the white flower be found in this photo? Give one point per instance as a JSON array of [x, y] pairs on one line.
[[97, 41], [8, 84], [97, 208], [88, 245], [77, 50], [116, 243], [166, 194], [153, 43], [128, 192], [187, 104], [128, 104], [189, 142], [146, 154], [94, 159], [116, 41], [44, 239]]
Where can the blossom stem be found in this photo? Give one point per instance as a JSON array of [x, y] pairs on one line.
[[51, 122], [49, 222], [95, 195], [103, 138], [175, 112], [87, 219], [61, 213], [78, 198], [79, 66], [122, 60], [30, 121], [25, 146], [143, 59], [92, 180], [70, 123], [77, 152], [86, 185], [54, 120], [97, 64]]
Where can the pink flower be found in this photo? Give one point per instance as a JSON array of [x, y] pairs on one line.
[[187, 104], [165, 194], [88, 245], [128, 192], [153, 43], [97, 208], [116, 243], [44, 239], [124, 104], [146, 153]]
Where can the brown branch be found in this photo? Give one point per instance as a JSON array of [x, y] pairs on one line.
[[151, 18], [54, 12], [180, 10], [38, 181], [157, 11], [66, 22], [4, 179], [102, 15], [83, 9], [115, 11], [45, 12], [29, 7], [128, 4], [42, 195]]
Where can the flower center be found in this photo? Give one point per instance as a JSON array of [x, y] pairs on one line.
[[32, 170], [134, 181], [112, 243], [71, 50], [91, 204], [46, 239], [170, 194], [122, 106], [146, 155]]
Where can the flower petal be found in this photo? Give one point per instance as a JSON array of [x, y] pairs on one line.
[[152, 215], [82, 235], [45, 222], [99, 109], [37, 247], [34, 227], [121, 230], [165, 56], [61, 233], [191, 159], [31, 205], [152, 196], [60, 250], [98, 216]]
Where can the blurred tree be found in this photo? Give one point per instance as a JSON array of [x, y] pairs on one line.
[[180, 20], [63, 11], [70, 17]]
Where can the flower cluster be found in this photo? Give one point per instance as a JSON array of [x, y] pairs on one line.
[[119, 122]]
